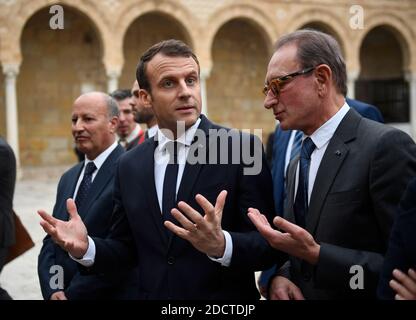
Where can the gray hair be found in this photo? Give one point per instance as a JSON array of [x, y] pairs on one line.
[[315, 48]]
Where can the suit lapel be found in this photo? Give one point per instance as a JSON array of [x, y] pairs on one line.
[[69, 189], [191, 171], [335, 155], [105, 173], [290, 189], [150, 187]]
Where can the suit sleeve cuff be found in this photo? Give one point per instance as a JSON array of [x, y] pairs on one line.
[[225, 260], [88, 259]]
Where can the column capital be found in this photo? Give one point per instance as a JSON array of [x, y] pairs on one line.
[[410, 75], [114, 72], [352, 75], [11, 69], [205, 73]]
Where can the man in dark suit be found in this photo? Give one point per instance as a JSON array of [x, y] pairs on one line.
[[129, 132], [7, 183], [343, 188], [143, 115], [284, 143], [211, 256], [398, 277], [94, 122]]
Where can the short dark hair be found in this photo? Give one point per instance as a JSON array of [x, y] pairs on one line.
[[121, 94], [316, 47], [112, 106], [170, 48]]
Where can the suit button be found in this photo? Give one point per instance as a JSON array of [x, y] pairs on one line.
[[171, 260]]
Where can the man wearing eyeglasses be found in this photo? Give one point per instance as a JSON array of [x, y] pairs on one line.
[[344, 186]]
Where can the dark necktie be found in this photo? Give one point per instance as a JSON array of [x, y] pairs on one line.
[[300, 206], [146, 135], [85, 185], [169, 183]]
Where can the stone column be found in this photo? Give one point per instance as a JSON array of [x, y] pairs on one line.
[[10, 72], [352, 77], [411, 78], [204, 76], [112, 80]]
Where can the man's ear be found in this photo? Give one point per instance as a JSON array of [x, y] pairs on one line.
[[114, 124], [145, 98], [323, 74]]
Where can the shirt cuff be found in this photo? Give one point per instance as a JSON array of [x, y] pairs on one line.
[[225, 260], [89, 257]]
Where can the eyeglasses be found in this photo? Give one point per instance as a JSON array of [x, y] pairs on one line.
[[277, 84]]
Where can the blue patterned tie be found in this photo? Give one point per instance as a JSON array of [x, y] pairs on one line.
[[297, 143], [300, 206], [169, 183], [85, 185]]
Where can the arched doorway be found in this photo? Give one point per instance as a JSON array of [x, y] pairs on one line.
[[325, 28], [381, 81], [144, 32], [58, 65], [240, 56]]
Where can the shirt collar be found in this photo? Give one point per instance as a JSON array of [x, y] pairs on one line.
[[153, 130], [325, 132], [102, 156], [134, 133], [185, 139]]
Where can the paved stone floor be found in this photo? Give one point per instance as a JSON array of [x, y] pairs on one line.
[[35, 190]]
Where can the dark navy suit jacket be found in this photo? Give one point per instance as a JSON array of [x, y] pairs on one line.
[[96, 213], [170, 267]]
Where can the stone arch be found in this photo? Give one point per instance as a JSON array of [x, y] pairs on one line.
[[403, 32], [326, 18], [133, 10], [143, 32], [382, 78], [57, 66], [28, 8], [239, 59], [249, 12]]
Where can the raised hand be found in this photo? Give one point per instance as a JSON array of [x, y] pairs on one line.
[[404, 284], [70, 235], [295, 240], [203, 232]]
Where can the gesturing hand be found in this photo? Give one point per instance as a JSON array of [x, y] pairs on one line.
[[404, 284], [203, 232], [295, 241], [70, 235]]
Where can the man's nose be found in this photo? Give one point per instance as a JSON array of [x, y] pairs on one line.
[[270, 100], [185, 90]]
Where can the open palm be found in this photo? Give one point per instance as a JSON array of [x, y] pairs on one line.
[[70, 235]]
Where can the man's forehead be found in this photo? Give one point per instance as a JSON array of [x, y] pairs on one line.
[[283, 61], [165, 64]]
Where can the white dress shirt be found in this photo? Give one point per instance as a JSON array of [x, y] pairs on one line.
[[98, 162], [321, 138], [161, 157]]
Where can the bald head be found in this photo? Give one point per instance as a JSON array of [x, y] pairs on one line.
[[94, 122]]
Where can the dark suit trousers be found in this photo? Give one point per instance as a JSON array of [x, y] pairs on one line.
[[3, 254]]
